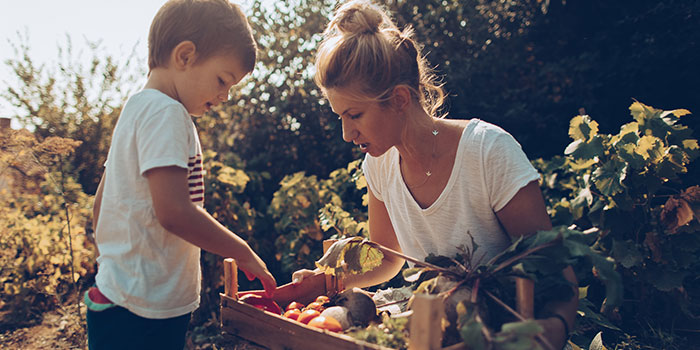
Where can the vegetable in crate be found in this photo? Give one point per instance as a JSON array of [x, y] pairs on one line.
[[262, 303]]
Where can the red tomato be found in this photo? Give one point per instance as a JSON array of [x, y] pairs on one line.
[[261, 303], [292, 313], [295, 305], [326, 322], [314, 306], [322, 299], [308, 315]]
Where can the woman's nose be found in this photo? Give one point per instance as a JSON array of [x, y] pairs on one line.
[[349, 132]]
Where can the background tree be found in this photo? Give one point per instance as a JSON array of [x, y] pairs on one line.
[[72, 100]]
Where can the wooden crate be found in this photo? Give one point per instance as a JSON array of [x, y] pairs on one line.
[[280, 333]]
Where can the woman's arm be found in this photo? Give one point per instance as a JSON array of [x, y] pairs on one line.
[[526, 214], [380, 231], [177, 214]]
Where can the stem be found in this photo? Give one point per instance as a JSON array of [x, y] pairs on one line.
[[539, 336], [390, 251], [394, 302], [70, 239], [513, 259]]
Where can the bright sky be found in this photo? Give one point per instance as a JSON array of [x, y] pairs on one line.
[[118, 24]]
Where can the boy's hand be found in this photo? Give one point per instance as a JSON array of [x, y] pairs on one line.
[[257, 268]]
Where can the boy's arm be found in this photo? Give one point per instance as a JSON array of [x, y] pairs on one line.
[[96, 211], [177, 214], [97, 203]]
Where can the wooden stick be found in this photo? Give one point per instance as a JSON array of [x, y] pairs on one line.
[[525, 297], [331, 280], [426, 323], [520, 317], [231, 278]]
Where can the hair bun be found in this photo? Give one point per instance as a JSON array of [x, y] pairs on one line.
[[358, 17]]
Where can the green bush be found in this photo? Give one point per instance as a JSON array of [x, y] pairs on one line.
[[629, 190], [307, 211], [45, 253]]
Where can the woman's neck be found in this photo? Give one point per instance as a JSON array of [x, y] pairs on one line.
[[418, 139]]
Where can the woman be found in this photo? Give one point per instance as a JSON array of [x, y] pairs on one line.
[[431, 180]]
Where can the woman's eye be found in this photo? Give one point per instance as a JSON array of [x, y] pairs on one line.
[[355, 116], [221, 82]]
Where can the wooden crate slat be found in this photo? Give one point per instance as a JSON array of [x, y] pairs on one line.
[[278, 333]]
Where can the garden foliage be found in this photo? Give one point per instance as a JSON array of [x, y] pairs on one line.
[[280, 175]]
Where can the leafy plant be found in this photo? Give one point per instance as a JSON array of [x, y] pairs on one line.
[[307, 211], [629, 188], [44, 248], [478, 294]]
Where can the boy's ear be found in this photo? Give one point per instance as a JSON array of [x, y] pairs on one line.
[[184, 54], [401, 97]]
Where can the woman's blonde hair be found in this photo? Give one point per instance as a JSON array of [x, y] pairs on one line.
[[365, 52]]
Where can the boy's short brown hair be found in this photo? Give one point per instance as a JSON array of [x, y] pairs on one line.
[[214, 26]]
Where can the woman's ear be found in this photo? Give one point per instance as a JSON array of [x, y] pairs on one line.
[[184, 54], [401, 97]]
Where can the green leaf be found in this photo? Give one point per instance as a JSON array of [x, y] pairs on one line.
[[582, 128], [627, 152], [530, 328], [665, 279], [586, 309], [471, 330], [626, 253], [651, 148], [354, 255], [629, 133], [608, 178], [672, 163], [590, 149]]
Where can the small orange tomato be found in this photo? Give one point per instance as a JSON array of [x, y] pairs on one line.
[[326, 322], [315, 306], [295, 305], [322, 299], [308, 315], [292, 313]]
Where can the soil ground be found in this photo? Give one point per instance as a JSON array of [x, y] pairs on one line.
[[63, 328]]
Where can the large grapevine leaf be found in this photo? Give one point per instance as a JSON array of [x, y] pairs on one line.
[[354, 255], [583, 128], [580, 149], [608, 178], [626, 253]]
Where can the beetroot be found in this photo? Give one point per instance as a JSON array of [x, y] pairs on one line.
[[261, 302]]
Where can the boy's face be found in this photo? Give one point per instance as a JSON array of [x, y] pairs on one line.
[[206, 84]]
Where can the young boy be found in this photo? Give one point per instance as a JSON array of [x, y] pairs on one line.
[[150, 224]]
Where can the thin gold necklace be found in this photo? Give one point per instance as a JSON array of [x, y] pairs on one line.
[[429, 172]]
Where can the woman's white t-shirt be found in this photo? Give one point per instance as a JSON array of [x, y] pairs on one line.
[[142, 267], [489, 169]]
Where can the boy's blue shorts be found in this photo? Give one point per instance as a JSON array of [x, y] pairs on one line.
[[113, 327]]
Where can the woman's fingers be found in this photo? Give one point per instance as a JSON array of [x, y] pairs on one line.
[[299, 275]]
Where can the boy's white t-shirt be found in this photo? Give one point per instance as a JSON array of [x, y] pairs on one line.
[[489, 169], [142, 267]]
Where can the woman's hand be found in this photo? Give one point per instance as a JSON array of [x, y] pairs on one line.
[[554, 331], [299, 275]]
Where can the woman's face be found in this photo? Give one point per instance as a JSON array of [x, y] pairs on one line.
[[374, 128]]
